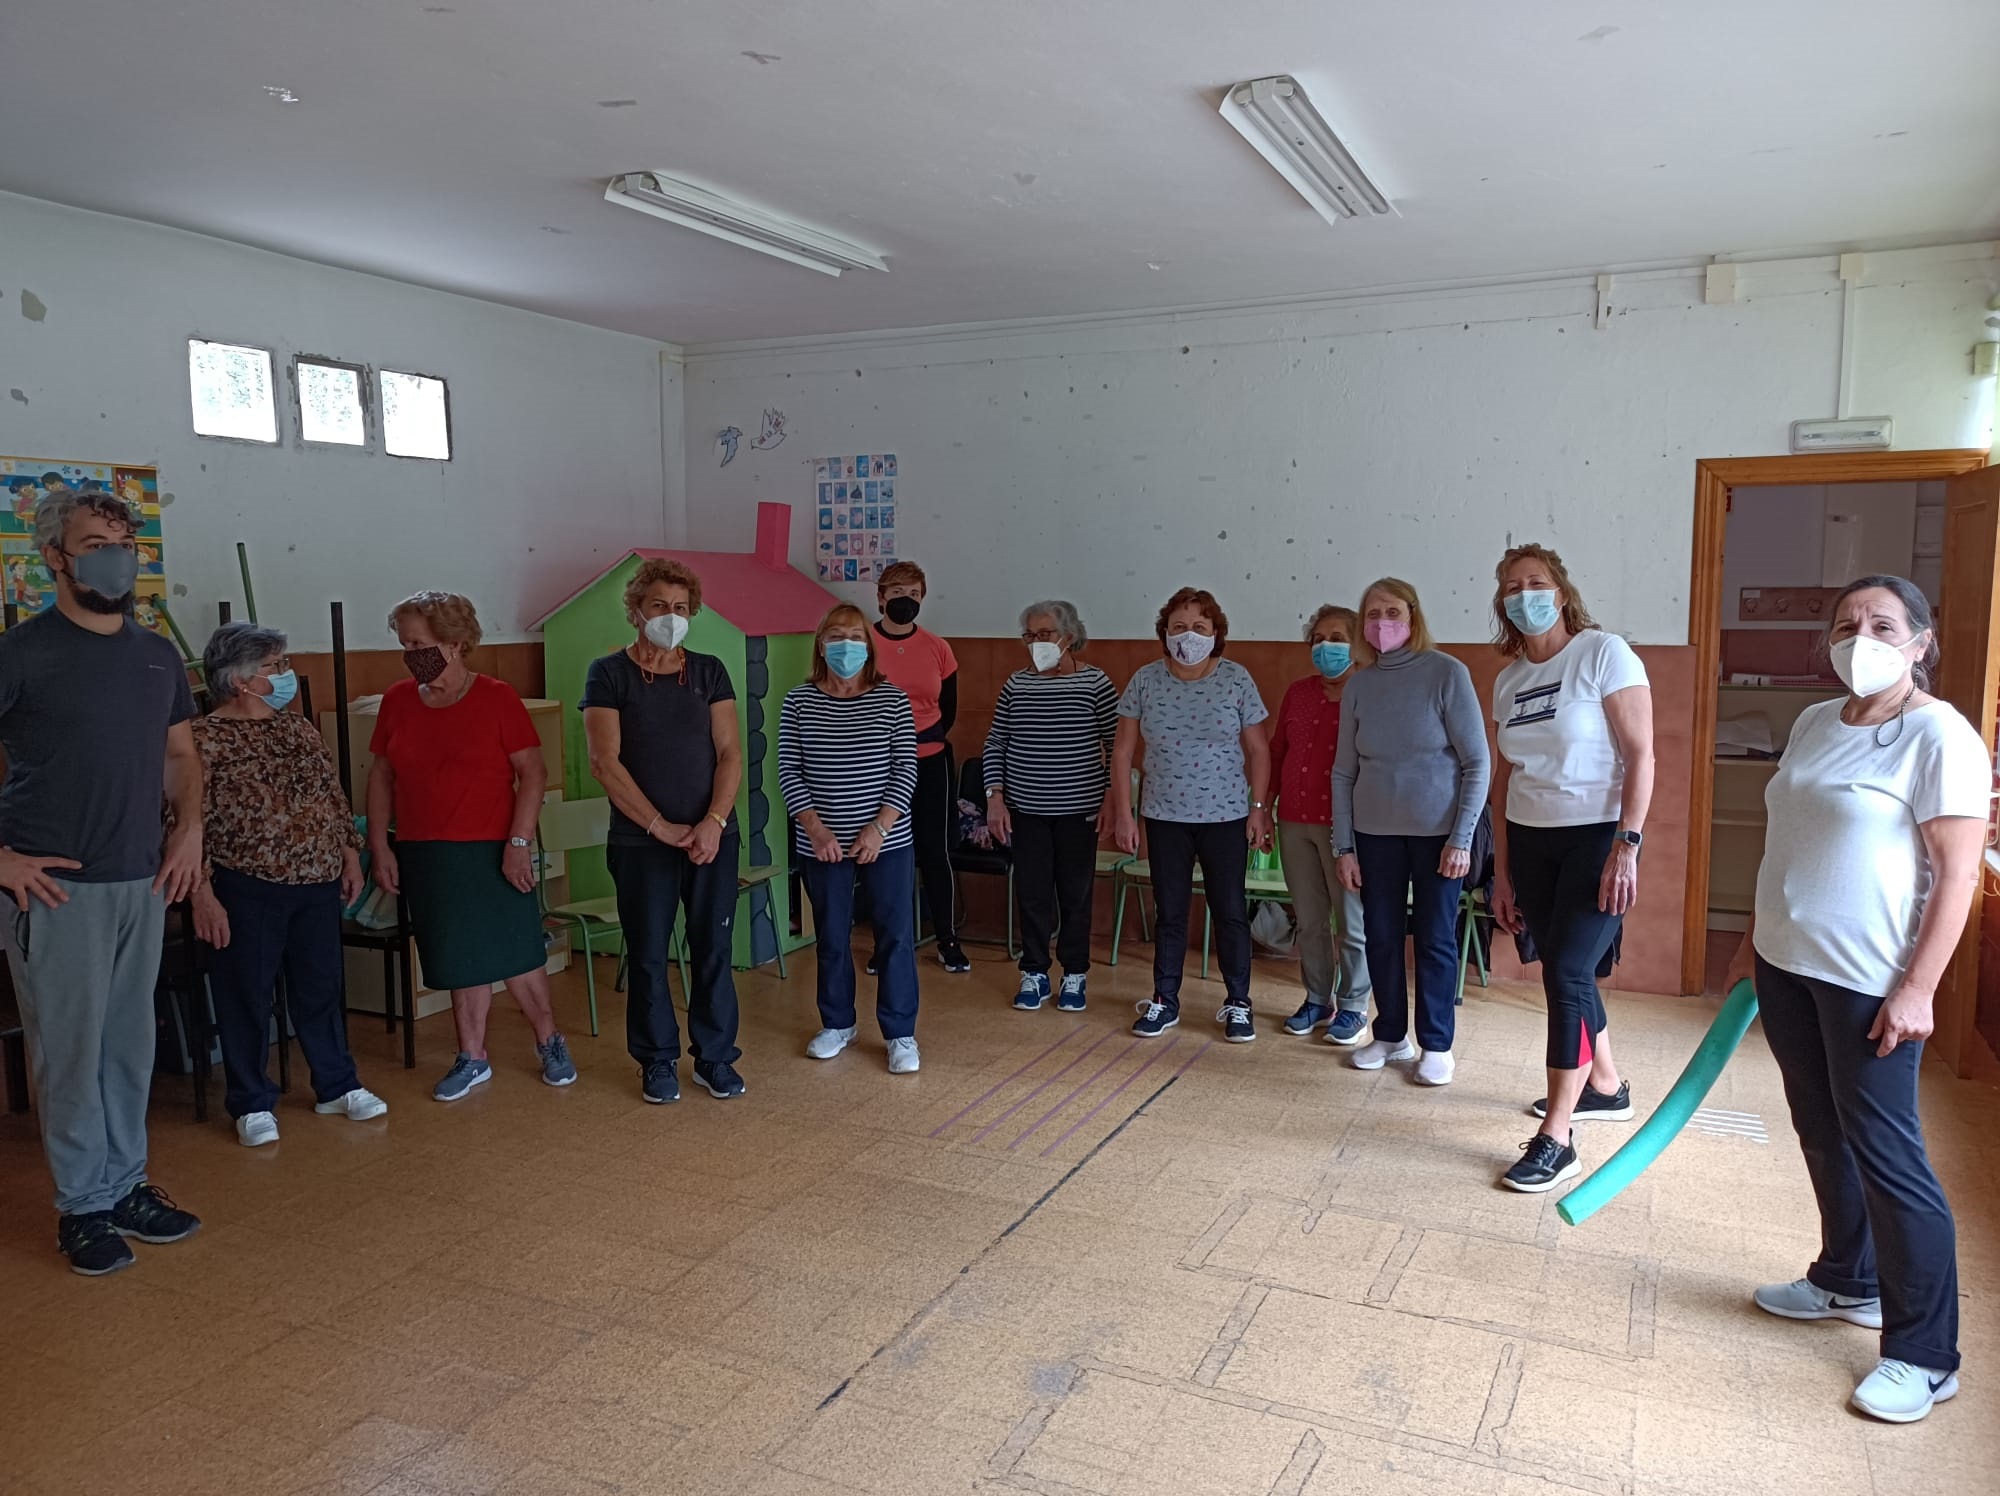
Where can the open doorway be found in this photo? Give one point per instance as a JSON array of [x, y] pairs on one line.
[[1793, 522]]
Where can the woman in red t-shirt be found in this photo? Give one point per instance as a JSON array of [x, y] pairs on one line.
[[458, 772], [922, 666], [1302, 747]]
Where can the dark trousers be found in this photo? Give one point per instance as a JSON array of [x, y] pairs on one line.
[[1884, 1225], [831, 887], [1556, 872], [1402, 893], [1223, 850], [1055, 873], [656, 883], [932, 812], [273, 927]]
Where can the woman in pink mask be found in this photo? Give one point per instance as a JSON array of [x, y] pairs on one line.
[[1409, 780]]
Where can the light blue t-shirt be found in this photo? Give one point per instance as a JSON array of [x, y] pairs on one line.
[[1194, 740]]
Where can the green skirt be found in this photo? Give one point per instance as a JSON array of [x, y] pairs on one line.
[[473, 927]]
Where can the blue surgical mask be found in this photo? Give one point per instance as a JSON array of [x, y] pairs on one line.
[[845, 657], [284, 686], [1331, 659], [1533, 612]]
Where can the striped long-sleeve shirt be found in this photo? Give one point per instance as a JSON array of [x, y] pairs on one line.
[[1051, 740], [846, 758]]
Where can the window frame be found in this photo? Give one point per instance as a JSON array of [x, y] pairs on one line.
[[277, 437], [364, 389], [382, 371]]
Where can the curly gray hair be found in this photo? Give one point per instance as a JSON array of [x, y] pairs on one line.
[[1066, 619], [56, 510], [234, 654]]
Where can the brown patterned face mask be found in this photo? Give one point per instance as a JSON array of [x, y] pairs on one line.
[[425, 665]]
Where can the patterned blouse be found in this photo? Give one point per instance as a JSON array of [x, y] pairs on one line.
[[272, 803]]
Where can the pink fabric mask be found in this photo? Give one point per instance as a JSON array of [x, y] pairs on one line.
[[1387, 633]]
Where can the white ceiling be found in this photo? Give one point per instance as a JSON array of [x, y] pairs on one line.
[[1014, 158]]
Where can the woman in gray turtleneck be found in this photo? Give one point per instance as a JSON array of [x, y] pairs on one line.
[[1409, 779]]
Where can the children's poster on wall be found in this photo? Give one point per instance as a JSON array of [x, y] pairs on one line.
[[26, 481], [856, 500]]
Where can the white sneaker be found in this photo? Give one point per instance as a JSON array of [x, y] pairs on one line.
[[1805, 1299], [1897, 1392], [358, 1105], [1435, 1068], [829, 1042], [903, 1057], [255, 1129], [1377, 1053]]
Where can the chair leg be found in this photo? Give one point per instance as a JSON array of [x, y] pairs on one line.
[[15, 1047], [1464, 957], [1013, 950], [1145, 919], [389, 989], [1479, 954], [1118, 886], [618, 982], [197, 1043], [589, 974], [409, 986], [778, 928], [1207, 926]]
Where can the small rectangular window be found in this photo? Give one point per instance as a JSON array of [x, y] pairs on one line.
[[416, 419], [229, 387], [330, 402]]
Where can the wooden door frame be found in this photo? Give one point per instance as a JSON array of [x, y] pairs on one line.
[[1714, 478]]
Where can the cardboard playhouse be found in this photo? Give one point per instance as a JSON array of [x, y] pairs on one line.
[[758, 615]]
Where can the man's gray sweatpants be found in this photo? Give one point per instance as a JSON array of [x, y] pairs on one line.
[[84, 976]]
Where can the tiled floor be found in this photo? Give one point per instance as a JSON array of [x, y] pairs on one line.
[[1058, 1261]]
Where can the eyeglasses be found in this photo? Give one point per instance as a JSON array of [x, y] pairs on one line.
[[280, 668], [1041, 636]]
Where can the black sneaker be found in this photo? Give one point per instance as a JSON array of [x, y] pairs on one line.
[[720, 1079], [1235, 1021], [150, 1216], [952, 956], [659, 1083], [1155, 1018], [1544, 1164], [1594, 1106], [92, 1244]]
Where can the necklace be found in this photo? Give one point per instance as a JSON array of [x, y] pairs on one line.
[[1901, 707], [649, 676]]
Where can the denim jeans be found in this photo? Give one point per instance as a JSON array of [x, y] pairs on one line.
[[656, 883], [890, 881], [1402, 892]]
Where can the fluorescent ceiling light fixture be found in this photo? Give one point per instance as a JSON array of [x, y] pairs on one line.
[[710, 213], [1276, 117]]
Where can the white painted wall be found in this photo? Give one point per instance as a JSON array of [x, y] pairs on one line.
[[1287, 455], [1777, 537], [565, 451]]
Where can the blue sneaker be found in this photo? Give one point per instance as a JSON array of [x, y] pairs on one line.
[[1347, 1029], [465, 1073], [558, 1069], [1155, 1018], [1034, 991], [1072, 999], [1309, 1017]]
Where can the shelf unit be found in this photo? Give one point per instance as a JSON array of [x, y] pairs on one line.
[[1736, 822]]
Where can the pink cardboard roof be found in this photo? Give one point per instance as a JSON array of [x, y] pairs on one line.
[[759, 592]]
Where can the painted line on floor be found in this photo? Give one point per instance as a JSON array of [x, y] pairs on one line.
[[1097, 1076], [1101, 1038], [997, 1085], [1128, 1081]]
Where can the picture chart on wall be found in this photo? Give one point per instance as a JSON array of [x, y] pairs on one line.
[[26, 481], [856, 500]]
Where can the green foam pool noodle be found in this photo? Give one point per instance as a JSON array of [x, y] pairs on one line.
[[1671, 1115]]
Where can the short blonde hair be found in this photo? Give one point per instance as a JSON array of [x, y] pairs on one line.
[[1404, 593], [651, 572], [450, 615], [1575, 616], [844, 615]]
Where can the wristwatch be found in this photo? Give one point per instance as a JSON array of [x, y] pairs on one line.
[[519, 841], [1631, 839], [1343, 851]]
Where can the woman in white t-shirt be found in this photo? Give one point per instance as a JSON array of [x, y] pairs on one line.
[[1574, 781], [1875, 817]]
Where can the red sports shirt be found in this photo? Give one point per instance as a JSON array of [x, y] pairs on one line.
[[453, 780]]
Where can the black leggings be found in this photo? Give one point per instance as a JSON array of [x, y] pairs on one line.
[[1556, 872], [932, 812]]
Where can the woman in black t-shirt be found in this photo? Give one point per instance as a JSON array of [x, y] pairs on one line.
[[661, 723]]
